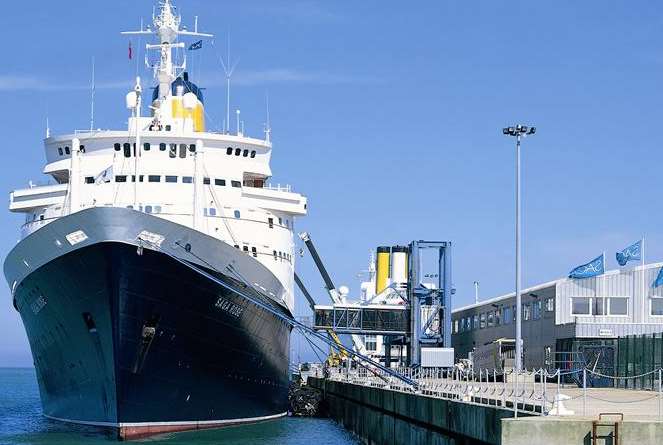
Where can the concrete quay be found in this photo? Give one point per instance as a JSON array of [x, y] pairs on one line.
[[381, 416]]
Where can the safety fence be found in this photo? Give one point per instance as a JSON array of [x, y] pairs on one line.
[[535, 392]]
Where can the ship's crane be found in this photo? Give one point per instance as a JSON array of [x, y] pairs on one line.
[[334, 294]]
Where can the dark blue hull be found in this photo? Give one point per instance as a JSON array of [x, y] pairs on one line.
[[143, 343]]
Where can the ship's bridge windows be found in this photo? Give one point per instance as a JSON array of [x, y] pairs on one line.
[[154, 178], [117, 146], [187, 179], [121, 178], [162, 147], [127, 150], [171, 178], [236, 184], [140, 179], [221, 182]]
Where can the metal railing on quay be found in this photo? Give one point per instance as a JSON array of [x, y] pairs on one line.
[[535, 392]]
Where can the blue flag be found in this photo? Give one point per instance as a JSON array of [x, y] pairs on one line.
[[659, 279], [196, 45], [591, 269], [631, 253]]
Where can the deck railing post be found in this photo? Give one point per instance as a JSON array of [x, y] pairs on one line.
[[584, 391], [544, 376], [660, 374]]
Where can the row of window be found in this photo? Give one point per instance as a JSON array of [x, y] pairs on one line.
[[174, 150], [278, 255], [67, 151], [586, 306], [239, 152], [503, 315], [166, 178]]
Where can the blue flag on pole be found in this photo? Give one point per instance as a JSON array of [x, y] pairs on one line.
[[196, 45], [659, 279], [631, 253], [591, 269]]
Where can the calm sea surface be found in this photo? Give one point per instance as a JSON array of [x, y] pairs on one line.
[[21, 422]]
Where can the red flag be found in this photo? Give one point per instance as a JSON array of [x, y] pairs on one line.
[[130, 51]]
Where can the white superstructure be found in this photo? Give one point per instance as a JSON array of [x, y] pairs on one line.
[[166, 164]]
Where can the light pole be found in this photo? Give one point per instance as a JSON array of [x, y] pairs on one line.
[[518, 131]]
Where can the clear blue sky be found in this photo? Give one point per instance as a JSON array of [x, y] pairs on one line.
[[388, 118]]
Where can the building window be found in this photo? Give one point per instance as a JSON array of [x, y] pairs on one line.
[[206, 181], [154, 178], [483, 321], [536, 310], [116, 146], [527, 314], [236, 184], [476, 322], [187, 179], [550, 304], [229, 150], [146, 146], [221, 182], [656, 306], [491, 319], [618, 305], [580, 306], [89, 180], [507, 315], [162, 147], [498, 313], [237, 214], [253, 154], [371, 342], [120, 178], [599, 306]]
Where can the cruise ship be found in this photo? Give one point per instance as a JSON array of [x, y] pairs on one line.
[[134, 264]]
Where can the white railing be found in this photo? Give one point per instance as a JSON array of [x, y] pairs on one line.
[[537, 392], [278, 187]]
